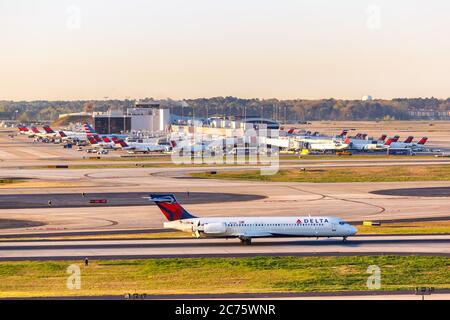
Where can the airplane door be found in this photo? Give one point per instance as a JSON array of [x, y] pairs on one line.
[[333, 227]]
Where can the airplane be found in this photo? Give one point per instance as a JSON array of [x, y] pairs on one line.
[[327, 145], [368, 145], [187, 147], [408, 144], [247, 228], [72, 135], [137, 147]]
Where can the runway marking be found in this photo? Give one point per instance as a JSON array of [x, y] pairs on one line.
[[324, 196]]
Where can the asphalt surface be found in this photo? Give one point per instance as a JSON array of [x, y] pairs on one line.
[[164, 248], [114, 199], [415, 192]]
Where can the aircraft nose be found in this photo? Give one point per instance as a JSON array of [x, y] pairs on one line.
[[353, 230]]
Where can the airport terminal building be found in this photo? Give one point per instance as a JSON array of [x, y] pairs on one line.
[[142, 117]]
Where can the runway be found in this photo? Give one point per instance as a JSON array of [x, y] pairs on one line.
[[177, 248]]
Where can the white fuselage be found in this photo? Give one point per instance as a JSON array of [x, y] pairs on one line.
[[404, 145], [367, 145], [253, 227], [328, 146], [145, 147]]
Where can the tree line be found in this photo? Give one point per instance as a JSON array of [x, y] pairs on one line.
[[281, 110]]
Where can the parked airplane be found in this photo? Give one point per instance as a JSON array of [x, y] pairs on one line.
[[73, 135], [327, 145], [368, 145], [137, 147], [408, 145], [187, 147], [246, 228]]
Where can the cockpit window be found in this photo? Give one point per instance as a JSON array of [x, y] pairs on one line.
[[342, 223]]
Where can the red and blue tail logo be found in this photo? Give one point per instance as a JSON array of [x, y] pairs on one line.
[[169, 206], [48, 129], [88, 129]]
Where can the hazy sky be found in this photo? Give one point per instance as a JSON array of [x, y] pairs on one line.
[[91, 49]]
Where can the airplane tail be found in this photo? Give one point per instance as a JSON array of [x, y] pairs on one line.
[[106, 139], [48, 129], [395, 139], [170, 207], [423, 141], [88, 128], [383, 137], [35, 130], [115, 140], [122, 143], [409, 139], [92, 140], [388, 142], [62, 134]]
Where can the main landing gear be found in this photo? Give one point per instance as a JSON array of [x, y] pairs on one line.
[[246, 241], [344, 239]]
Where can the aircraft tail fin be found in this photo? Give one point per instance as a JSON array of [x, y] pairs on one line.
[[92, 140], [88, 128], [115, 140], [423, 141], [170, 207], [409, 139], [122, 143], [343, 133], [48, 129]]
